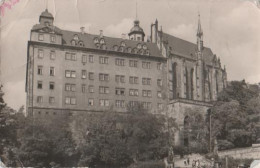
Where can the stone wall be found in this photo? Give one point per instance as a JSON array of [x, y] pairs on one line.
[[242, 153]]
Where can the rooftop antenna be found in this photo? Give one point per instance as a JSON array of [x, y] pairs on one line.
[[136, 9]]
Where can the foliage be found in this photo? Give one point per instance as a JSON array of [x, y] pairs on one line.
[[234, 163], [236, 115], [114, 139]]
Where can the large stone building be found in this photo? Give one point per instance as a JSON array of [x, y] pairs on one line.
[[70, 72]]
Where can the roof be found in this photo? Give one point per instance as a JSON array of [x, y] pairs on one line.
[[185, 48], [136, 28], [50, 27], [110, 42], [46, 14]]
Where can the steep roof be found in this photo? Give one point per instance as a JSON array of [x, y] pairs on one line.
[[46, 14], [185, 48], [110, 42]]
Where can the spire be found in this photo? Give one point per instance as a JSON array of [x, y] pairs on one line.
[[136, 10], [199, 31]]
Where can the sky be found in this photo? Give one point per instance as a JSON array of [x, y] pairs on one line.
[[231, 30]]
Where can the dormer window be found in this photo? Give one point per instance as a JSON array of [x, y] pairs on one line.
[[40, 37], [115, 48], [123, 44], [47, 23], [144, 47], [97, 45], [53, 38], [76, 37], [135, 50], [147, 52], [102, 41], [121, 49], [104, 47], [139, 46], [81, 44], [129, 50], [73, 42], [96, 40], [141, 52]]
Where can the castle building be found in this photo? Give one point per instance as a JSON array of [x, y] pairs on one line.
[[70, 72]]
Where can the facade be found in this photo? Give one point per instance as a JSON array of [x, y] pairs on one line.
[[71, 72]]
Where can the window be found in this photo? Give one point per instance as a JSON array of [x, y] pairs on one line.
[[120, 78], [144, 47], [70, 74], [91, 58], [103, 60], [146, 81], [139, 46], [91, 75], [83, 74], [91, 102], [160, 106], [103, 90], [84, 59], [70, 100], [133, 80], [102, 41], [52, 71], [159, 66], [96, 40], [81, 44], [53, 38], [40, 37], [123, 44], [104, 102], [120, 103], [133, 92], [133, 103], [39, 85], [51, 100], [52, 55], [73, 42], [83, 88], [146, 65], [39, 99], [159, 94], [133, 63], [147, 93], [115, 48], [71, 56], [70, 87], [40, 53], [120, 91], [39, 70], [76, 37], [91, 89], [103, 77], [138, 38], [147, 105], [120, 62], [159, 82], [147, 52], [51, 85]]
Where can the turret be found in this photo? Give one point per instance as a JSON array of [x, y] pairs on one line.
[[136, 33], [199, 37], [154, 31], [46, 18]]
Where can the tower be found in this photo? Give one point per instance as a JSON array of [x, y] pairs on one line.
[[136, 33], [46, 18], [199, 37]]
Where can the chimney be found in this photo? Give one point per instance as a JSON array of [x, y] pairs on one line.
[[101, 34], [123, 36], [82, 29]]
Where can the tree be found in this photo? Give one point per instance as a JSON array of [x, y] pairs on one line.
[[117, 140]]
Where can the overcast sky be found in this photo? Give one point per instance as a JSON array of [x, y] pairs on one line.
[[231, 30]]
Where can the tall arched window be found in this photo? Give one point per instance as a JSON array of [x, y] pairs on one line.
[[191, 83], [174, 80], [187, 83], [216, 78], [186, 130]]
